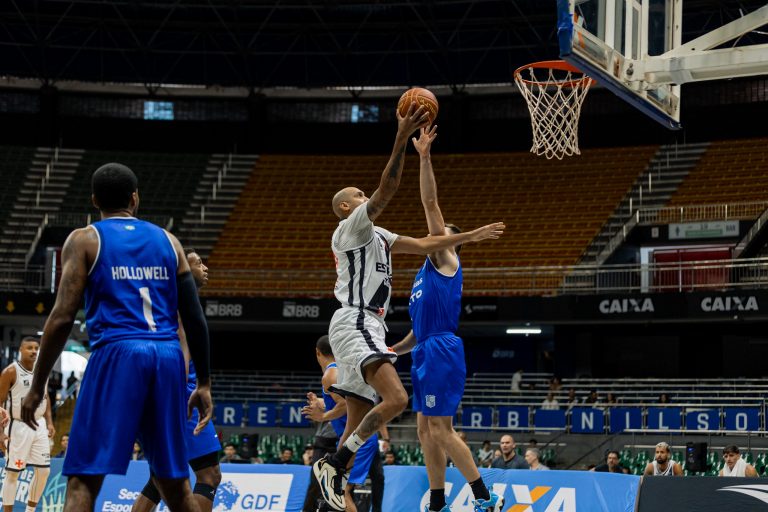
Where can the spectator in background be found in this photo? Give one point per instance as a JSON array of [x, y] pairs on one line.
[[255, 458], [517, 379], [63, 442], [484, 455], [735, 465], [509, 458], [611, 399], [138, 453], [532, 443], [286, 457], [572, 399], [664, 398], [592, 398], [306, 457], [72, 384], [230, 453], [611, 464], [390, 459], [555, 385], [550, 403], [532, 456]]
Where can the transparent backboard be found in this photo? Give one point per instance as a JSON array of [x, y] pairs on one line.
[[607, 39]]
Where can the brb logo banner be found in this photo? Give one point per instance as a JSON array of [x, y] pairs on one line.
[[407, 489], [243, 488]]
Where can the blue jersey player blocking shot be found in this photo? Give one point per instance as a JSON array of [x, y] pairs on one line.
[[439, 370], [203, 448], [136, 283], [333, 408]]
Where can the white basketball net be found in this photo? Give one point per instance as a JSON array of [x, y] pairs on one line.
[[555, 104]]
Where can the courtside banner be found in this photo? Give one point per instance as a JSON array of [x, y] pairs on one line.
[[406, 489], [703, 494], [243, 487], [53, 495]]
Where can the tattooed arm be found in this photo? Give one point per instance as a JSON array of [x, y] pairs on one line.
[[390, 178], [77, 255]]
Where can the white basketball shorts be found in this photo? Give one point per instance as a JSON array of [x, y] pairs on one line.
[[27, 447], [357, 339]]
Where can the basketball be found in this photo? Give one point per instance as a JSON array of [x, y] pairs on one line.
[[422, 97]]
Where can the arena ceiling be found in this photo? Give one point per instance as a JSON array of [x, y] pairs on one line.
[[293, 43]]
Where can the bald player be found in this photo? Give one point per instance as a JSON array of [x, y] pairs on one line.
[[364, 279]]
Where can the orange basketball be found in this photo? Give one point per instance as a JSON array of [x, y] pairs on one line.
[[421, 97]]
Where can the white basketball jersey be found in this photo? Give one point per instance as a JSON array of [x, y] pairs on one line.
[[19, 391], [667, 472], [363, 263]]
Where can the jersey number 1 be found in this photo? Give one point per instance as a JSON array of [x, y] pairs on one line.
[[147, 303]]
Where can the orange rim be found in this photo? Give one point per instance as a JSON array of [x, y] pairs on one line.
[[560, 65]]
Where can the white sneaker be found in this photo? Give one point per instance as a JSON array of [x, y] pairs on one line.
[[331, 481], [494, 504]]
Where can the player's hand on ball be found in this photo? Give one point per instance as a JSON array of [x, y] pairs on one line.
[[202, 401], [491, 231], [29, 406], [416, 117]]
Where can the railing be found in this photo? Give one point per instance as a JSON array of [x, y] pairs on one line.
[[654, 277], [702, 212], [751, 234]]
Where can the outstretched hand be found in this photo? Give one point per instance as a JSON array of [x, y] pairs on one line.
[[416, 117], [424, 143], [491, 231]]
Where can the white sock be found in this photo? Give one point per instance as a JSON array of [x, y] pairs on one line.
[[30, 509], [354, 442]]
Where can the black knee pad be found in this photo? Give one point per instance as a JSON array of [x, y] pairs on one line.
[[205, 491], [151, 493]]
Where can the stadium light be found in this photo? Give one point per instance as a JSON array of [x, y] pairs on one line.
[[524, 330]]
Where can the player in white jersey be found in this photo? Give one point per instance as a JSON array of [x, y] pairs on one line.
[[25, 446], [735, 465], [662, 465], [364, 280]]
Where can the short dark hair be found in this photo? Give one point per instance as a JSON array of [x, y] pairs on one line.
[[30, 339], [324, 346], [230, 444], [618, 455], [731, 448], [190, 250], [112, 185]]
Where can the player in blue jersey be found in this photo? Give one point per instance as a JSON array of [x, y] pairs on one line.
[[136, 283], [202, 449], [333, 408], [439, 370]]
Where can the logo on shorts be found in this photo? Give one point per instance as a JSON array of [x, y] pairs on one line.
[[430, 401], [19, 463]]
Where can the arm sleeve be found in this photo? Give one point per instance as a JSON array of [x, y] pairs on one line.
[[195, 326], [354, 231]]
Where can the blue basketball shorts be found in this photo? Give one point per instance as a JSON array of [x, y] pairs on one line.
[[131, 390], [438, 374], [362, 463], [206, 441]]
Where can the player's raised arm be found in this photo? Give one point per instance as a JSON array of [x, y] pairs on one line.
[[427, 183], [390, 178], [430, 244], [80, 248]]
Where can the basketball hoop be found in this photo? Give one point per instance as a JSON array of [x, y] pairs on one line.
[[554, 91]]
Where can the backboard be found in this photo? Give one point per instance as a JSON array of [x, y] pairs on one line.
[[634, 48]]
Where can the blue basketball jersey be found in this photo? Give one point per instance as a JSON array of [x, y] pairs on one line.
[[435, 303], [339, 424], [131, 291]]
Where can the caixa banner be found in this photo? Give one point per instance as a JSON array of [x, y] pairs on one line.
[[406, 489]]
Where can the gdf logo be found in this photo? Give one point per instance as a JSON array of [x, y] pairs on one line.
[[523, 499]]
